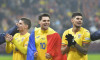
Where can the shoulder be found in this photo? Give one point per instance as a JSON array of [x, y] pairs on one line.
[[37, 29], [28, 34], [85, 30], [17, 34], [68, 30], [51, 30]]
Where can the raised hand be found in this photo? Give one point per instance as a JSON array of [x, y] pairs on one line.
[[8, 38]]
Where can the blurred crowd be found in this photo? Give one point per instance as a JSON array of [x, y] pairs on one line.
[[60, 11]]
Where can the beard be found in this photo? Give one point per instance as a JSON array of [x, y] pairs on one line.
[[77, 26]]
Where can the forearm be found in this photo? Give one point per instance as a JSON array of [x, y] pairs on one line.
[[20, 48], [81, 49], [65, 49], [8, 47]]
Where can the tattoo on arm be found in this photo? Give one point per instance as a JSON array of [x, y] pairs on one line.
[[82, 49]]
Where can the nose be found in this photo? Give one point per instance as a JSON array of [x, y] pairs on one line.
[[46, 22]]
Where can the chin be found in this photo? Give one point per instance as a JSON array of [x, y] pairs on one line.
[[46, 28], [78, 26]]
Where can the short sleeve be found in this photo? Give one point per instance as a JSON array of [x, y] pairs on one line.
[[86, 37], [64, 41]]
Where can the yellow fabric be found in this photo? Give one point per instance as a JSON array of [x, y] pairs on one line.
[[41, 42], [81, 36], [19, 46]]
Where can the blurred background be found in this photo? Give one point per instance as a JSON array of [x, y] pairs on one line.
[[60, 11]]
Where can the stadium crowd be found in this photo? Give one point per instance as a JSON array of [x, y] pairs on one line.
[[60, 10]]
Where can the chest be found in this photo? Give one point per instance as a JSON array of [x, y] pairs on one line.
[[41, 38], [41, 41], [78, 38], [20, 39]]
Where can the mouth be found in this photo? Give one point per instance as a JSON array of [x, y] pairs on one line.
[[46, 25], [79, 23], [18, 28]]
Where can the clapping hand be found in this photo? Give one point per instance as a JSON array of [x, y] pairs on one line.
[[70, 40]]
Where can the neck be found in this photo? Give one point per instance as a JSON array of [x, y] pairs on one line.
[[23, 32], [75, 29], [43, 29]]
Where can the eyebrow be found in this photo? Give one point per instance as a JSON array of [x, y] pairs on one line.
[[79, 18]]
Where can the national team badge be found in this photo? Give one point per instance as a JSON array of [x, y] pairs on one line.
[[23, 38], [79, 35]]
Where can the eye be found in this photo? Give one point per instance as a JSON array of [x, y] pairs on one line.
[[48, 20], [77, 18]]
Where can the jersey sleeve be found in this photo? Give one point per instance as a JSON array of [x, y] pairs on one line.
[[9, 47], [86, 37], [64, 41]]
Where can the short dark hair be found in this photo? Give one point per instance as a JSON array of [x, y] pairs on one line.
[[27, 21], [43, 15], [76, 14]]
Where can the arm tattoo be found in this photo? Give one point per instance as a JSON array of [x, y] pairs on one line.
[[82, 49]]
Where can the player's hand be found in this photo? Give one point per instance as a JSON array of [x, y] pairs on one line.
[[48, 56], [73, 42], [36, 54], [8, 38], [69, 39]]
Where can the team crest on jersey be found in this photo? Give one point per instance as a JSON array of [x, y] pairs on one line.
[[23, 38], [79, 35]]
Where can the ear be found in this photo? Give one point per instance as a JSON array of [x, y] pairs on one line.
[[39, 21], [26, 26], [72, 20]]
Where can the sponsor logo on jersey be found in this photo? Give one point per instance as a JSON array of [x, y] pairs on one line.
[[37, 36]]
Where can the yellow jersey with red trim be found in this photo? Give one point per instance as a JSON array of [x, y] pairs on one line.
[[83, 35], [41, 42], [21, 40]]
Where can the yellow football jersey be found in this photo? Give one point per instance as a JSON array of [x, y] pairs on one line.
[[82, 35], [22, 40], [41, 42]]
